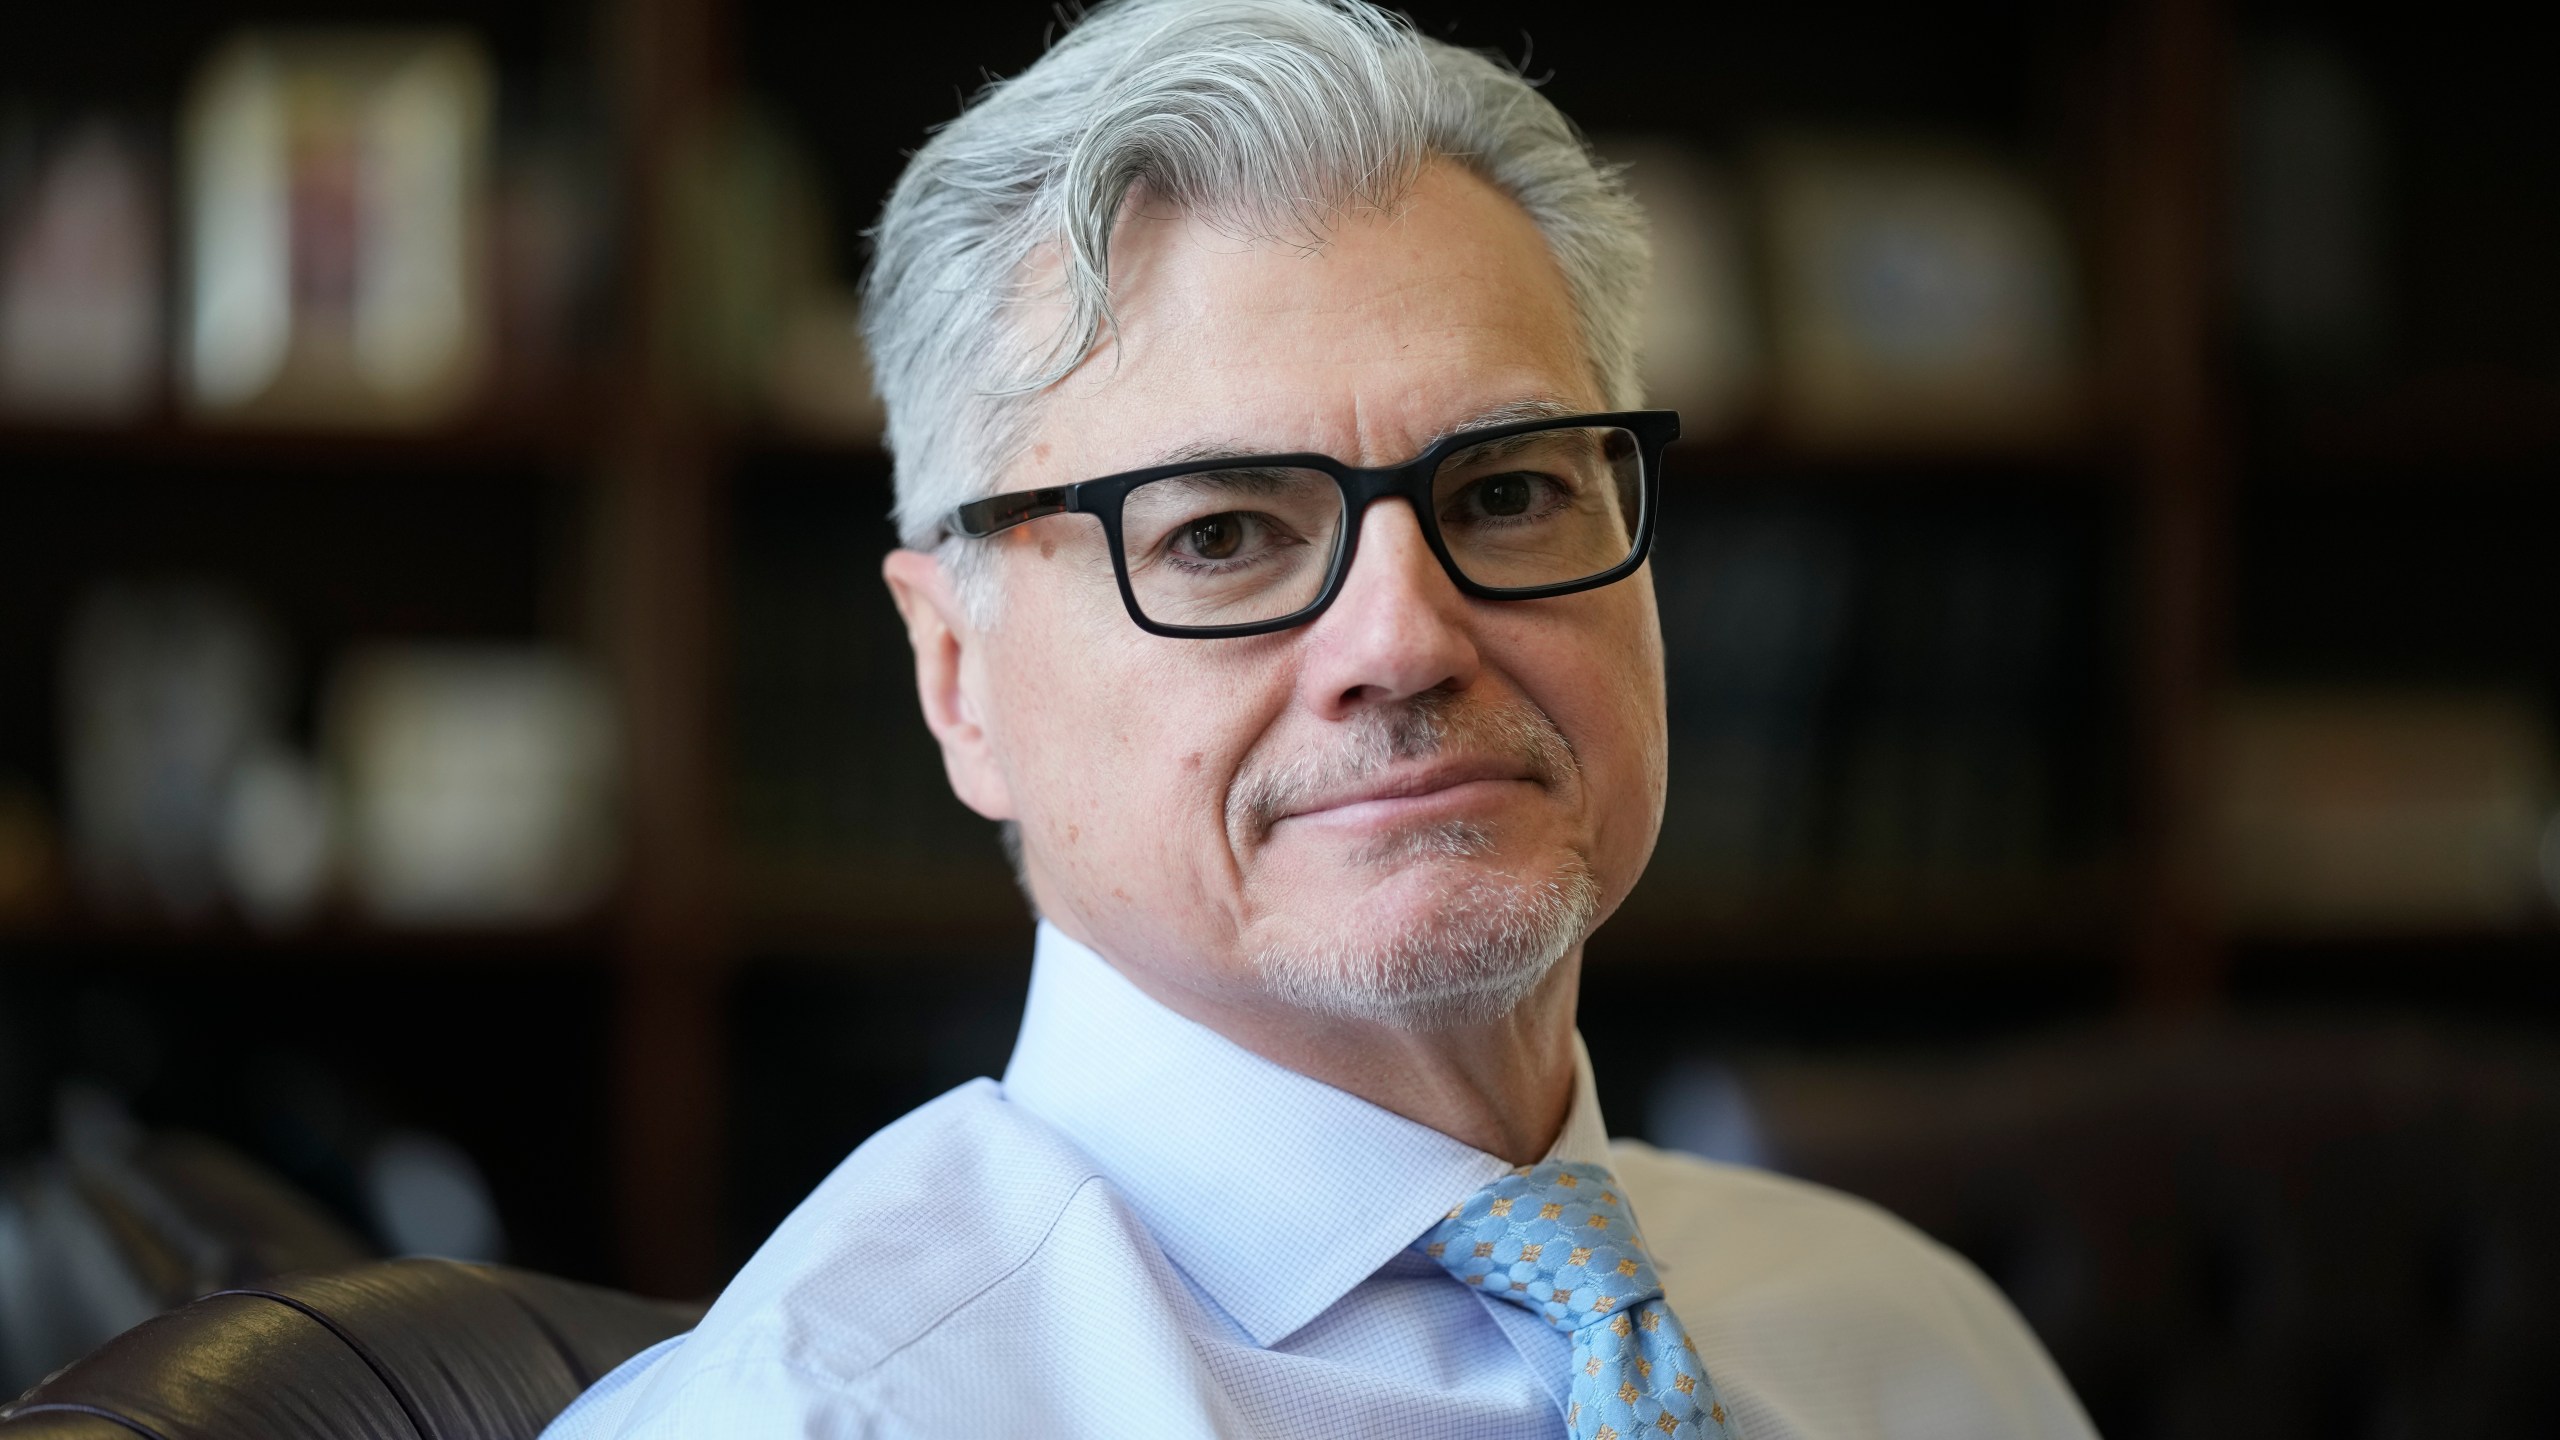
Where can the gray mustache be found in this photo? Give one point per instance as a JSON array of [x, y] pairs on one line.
[[1379, 738]]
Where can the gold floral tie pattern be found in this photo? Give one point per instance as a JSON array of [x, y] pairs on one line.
[[1559, 1240]]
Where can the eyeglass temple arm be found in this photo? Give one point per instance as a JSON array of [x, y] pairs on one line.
[[981, 518]]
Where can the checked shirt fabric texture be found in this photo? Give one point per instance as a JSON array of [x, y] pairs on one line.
[[1147, 1229], [1559, 1240]]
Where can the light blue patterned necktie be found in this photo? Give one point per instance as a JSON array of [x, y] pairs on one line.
[[1559, 1240]]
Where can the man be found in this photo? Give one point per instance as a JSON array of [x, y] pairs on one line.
[[1275, 501]]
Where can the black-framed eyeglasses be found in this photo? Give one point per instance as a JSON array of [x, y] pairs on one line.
[[1244, 546]]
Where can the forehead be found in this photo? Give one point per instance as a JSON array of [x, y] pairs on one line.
[[1399, 326]]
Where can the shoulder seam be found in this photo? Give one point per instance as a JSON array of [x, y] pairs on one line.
[[974, 1296]]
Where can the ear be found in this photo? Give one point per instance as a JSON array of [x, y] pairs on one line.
[[947, 679]]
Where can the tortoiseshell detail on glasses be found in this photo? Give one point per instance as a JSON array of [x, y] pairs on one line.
[[981, 518]]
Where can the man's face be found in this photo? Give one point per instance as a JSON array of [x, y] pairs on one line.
[[1400, 799]]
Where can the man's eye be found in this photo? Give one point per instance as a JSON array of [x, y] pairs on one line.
[[1238, 536], [1507, 496], [1213, 537]]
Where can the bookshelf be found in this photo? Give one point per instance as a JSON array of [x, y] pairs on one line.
[[788, 857]]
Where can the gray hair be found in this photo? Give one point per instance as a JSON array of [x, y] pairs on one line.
[[1268, 117]]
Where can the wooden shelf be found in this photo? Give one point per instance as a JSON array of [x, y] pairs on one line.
[[2429, 429], [857, 903], [2538, 937], [1762, 461], [529, 440], [2508, 976], [2076, 913], [335, 938]]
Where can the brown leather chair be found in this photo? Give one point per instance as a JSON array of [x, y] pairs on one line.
[[396, 1350]]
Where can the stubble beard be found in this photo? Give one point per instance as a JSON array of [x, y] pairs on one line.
[[1490, 939]]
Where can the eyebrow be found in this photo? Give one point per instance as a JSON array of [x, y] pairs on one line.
[[1535, 407], [1510, 445]]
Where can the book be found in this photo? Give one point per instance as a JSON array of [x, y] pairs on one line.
[[2381, 810], [1921, 297], [81, 276], [335, 185]]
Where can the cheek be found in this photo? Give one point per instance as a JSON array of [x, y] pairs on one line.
[[1604, 687], [1119, 745], [1186, 722], [1644, 695]]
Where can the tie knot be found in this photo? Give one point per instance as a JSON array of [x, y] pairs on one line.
[[1555, 1238]]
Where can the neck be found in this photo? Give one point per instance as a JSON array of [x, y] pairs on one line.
[[1504, 1086]]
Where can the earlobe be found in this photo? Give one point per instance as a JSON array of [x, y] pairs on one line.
[[947, 679]]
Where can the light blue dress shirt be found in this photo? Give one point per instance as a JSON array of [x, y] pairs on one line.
[[1146, 1230]]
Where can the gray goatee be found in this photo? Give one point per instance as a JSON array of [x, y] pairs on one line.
[[1489, 942]]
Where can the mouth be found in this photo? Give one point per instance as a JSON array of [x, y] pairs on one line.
[[1437, 791]]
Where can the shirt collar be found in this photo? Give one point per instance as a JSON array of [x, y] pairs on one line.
[[1229, 1158]]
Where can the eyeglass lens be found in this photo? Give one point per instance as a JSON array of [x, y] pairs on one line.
[[1244, 545]]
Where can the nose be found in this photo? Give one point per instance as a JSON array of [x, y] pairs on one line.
[[1398, 629]]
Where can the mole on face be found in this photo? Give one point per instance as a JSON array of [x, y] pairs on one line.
[[1048, 549], [1191, 761]]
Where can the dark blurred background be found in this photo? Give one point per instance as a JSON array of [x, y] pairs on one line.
[[456, 754]]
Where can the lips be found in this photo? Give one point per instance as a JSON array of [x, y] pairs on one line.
[[1413, 784], [1386, 764]]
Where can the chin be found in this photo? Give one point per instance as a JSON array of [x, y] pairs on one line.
[[1445, 937]]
